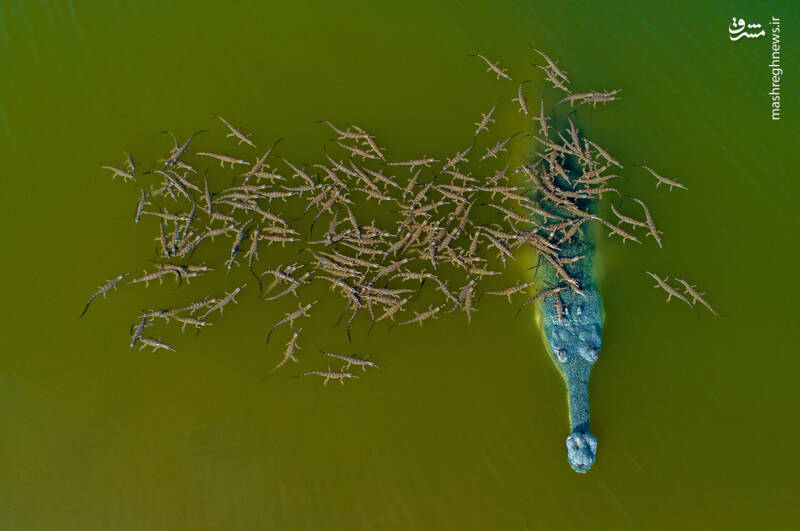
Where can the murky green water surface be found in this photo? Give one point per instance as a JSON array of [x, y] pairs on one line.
[[464, 426]]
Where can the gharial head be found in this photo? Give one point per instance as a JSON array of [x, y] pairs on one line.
[[581, 451], [582, 340]]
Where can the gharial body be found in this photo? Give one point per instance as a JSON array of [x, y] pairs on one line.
[[571, 320]]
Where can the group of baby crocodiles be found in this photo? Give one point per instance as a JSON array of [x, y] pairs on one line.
[[444, 222]]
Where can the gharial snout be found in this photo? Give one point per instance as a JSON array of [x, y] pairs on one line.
[[581, 451]]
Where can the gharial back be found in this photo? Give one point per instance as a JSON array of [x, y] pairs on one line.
[[570, 312]]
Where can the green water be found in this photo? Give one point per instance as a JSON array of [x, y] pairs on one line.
[[464, 426]]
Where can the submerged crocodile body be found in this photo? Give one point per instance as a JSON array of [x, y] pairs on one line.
[[572, 325]]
